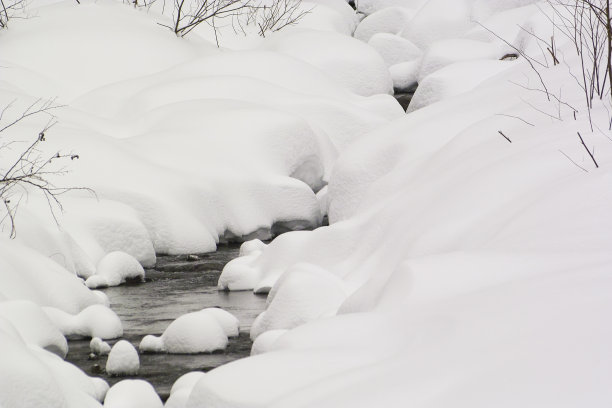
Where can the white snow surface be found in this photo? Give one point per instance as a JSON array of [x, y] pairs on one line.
[[203, 331], [123, 359], [459, 269], [132, 394], [114, 269]]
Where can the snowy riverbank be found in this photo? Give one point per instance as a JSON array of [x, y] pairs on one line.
[[467, 261]]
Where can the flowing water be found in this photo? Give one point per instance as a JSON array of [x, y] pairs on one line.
[[174, 287]]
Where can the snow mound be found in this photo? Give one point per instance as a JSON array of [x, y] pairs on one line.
[[250, 247], [438, 20], [114, 269], [132, 394], [446, 52], [405, 74], [305, 292], [34, 326], [94, 321], [265, 341], [391, 20], [198, 332], [99, 346], [369, 7], [453, 80], [122, 360], [358, 68], [32, 377], [179, 394], [394, 49]]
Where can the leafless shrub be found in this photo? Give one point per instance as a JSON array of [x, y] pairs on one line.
[[267, 16], [30, 170], [278, 15], [9, 9]]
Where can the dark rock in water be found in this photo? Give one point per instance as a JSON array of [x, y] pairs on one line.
[[193, 258], [93, 356], [352, 4], [404, 95], [96, 369]]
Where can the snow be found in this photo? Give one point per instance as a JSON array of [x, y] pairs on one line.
[[459, 269], [132, 394], [265, 342], [99, 346], [122, 360], [33, 326], [203, 331], [93, 321], [394, 49], [390, 20], [358, 68], [181, 389], [114, 269], [250, 247]]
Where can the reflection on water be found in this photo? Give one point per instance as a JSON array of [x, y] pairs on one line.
[[174, 287]]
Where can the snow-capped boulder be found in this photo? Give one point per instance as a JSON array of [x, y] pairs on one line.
[[114, 269], [390, 20], [304, 292], [179, 394], [123, 359], [394, 49], [198, 332], [99, 346], [34, 326], [264, 342], [249, 247], [405, 75], [94, 321], [132, 394]]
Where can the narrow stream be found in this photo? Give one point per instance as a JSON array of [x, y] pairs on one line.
[[174, 287]]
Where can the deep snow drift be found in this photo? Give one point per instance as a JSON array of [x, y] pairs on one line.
[[468, 254]]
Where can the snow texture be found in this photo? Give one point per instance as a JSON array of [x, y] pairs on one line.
[[198, 332], [123, 359], [132, 394]]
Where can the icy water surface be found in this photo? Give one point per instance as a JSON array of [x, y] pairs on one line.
[[174, 287]]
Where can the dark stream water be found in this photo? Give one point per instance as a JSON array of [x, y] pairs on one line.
[[174, 287]]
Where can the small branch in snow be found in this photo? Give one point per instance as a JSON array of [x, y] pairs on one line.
[[587, 149], [505, 137], [515, 117], [575, 164]]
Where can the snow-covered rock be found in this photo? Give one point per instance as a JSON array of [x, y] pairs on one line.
[[405, 74], [394, 49], [123, 359], [265, 341], [179, 394], [198, 332], [99, 346], [114, 269], [34, 326], [93, 321], [132, 394], [391, 20], [249, 247]]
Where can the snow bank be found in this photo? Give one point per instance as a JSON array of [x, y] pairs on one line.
[[123, 359], [33, 326], [133, 394], [114, 269], [93, 321], [358, 67], [464, 266], [32, 377], [394, 49], [198, 332], [181, 389], [390, 20]]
